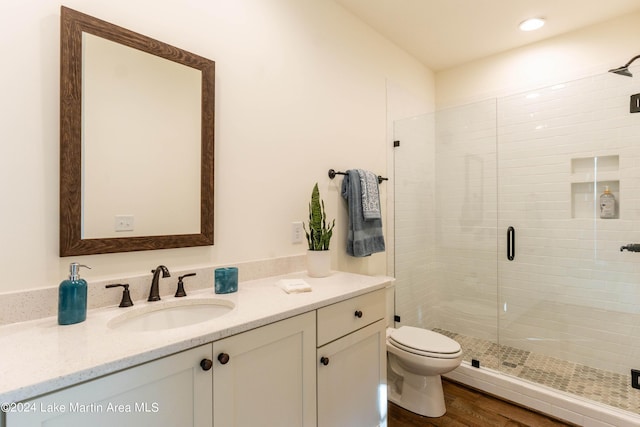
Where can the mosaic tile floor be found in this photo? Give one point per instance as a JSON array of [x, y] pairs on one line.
[[595, 384]]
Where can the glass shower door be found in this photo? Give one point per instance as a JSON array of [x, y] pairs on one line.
[[569, 300]]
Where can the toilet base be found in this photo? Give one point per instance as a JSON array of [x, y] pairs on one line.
[[422, 395], [413, 380]]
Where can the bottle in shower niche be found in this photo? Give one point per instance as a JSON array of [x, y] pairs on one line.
[[72, 297], [607, 204]]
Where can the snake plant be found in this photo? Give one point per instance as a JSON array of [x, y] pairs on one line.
[[319, 233]]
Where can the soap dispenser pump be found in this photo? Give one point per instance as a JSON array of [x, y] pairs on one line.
[[72, 297]]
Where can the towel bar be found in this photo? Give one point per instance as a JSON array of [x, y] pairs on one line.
[[333, 173]]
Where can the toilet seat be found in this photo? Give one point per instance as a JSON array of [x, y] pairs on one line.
[[424, 343]]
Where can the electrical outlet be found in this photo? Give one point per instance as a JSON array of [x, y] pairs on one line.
[[635, 378], [634, 104], [297, 232], [123, 223]]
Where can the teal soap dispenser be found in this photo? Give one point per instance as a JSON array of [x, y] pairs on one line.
[[72, 297]]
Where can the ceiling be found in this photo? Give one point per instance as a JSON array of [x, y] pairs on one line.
[[446, 33]]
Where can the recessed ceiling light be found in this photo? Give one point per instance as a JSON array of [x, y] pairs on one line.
[[531, 24]]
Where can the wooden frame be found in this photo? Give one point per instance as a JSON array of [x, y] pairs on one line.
[[73, 24]]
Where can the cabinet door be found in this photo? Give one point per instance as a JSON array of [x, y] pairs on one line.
[[172, 391], [352, 388], [266, 376]]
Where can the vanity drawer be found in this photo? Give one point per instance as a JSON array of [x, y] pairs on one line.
[[342, 318]]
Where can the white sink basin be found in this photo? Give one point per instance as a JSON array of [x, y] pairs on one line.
[[172, 314]]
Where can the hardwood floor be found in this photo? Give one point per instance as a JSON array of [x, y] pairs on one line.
[[470, 408]]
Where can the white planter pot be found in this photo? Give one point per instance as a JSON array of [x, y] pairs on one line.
[[319, 263]]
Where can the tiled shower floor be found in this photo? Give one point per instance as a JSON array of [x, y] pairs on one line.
[[594, 384]]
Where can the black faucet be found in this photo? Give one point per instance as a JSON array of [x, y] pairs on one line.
[[154, 293]]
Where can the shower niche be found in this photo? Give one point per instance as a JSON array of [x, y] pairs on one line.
[[589, 178]]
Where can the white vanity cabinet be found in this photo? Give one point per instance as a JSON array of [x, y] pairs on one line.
[[262, 377], [172, 391], [266, 376], [325, 367], [351, 362]]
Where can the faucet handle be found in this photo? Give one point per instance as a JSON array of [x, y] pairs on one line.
[[126, 296], [180, 291], [631, 247]]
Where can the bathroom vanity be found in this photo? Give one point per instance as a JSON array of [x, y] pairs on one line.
[[314, 358]]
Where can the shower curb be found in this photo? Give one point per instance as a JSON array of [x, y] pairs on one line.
[[543, 399]]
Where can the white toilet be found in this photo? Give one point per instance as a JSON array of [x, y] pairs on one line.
[[416, 358]]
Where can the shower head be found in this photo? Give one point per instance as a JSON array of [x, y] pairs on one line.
[[624, 70]]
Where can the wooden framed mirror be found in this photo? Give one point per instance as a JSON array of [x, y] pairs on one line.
[[144, 156]]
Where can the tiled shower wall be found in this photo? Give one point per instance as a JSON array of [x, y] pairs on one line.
[[538, 162]]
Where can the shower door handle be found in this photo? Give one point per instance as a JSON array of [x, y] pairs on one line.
[[511, 243]]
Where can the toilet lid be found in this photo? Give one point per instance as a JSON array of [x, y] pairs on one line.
[[424, 341]]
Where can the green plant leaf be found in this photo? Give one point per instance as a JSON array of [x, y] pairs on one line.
[[318, 235]]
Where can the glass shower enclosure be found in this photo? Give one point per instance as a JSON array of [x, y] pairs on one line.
[[499, 239]]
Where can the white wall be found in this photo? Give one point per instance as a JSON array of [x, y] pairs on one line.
[[301, 87], [574, 55]]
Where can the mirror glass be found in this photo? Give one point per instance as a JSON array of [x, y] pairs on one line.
[[150, 162], [136, 141]]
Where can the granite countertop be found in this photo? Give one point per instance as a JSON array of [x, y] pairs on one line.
[[39, 356]]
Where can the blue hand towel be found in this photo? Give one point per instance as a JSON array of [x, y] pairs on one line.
[[364, 237], [370, 195]]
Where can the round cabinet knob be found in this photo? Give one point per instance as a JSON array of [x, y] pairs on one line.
[[358, 314], [206, 364], [324, 360], [223, 358]]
